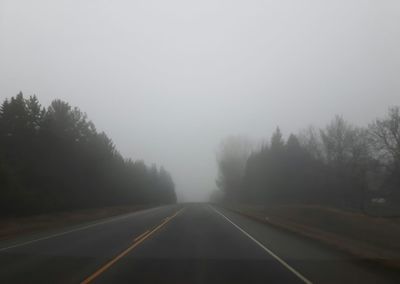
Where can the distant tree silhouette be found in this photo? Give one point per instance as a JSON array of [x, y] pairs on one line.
[[330, 166], [54, 159], [385, 134], [231, 158]]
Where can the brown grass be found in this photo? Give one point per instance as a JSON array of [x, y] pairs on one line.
[[364, 237], [13, 227]]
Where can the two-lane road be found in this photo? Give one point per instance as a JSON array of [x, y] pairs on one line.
[[199, 246], [191, 243]]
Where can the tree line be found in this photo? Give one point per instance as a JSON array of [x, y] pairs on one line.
[[340, 165], [54, 159]]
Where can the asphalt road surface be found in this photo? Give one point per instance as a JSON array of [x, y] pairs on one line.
[[188, 243]]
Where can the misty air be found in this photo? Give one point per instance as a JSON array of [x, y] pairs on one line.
[[199, 141]]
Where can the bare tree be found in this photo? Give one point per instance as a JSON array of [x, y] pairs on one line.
[[386, 136], [310, 140], [345, 146]]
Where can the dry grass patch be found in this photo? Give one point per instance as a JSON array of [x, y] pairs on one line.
[[365, 237], [12, 227]]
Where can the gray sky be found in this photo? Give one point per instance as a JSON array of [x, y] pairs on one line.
[[167, 80]]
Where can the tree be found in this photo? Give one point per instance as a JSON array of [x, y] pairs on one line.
[[54, 159], [385, 135], [310, 140], [277, 142], [347, 153], [167, 187], [346, 147], [232, 158], [35, 113], [327, 167]]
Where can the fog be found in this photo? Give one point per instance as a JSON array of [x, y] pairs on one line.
[[167, 80]]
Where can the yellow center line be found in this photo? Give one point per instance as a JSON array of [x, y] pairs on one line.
[[141, 236], [138, 240]]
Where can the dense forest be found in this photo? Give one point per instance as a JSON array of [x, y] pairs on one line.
[[340, 165], [54, 159]]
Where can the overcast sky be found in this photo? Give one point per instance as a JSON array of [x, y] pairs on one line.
[[167, 80]]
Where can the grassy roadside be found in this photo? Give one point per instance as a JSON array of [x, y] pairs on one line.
[[363, 237], [17, 226]]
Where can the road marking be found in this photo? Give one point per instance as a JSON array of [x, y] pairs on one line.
[[280, 260], [111, 219], [140, 239], [140, 236]]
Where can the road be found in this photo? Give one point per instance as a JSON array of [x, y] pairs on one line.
[[188, 243]]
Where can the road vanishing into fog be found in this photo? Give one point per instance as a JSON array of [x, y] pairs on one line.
[[183, 243]]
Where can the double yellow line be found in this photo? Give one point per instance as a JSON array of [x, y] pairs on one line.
[[136, 242]]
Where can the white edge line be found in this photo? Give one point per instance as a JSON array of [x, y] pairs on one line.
[[281, 261], [111, 219]]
